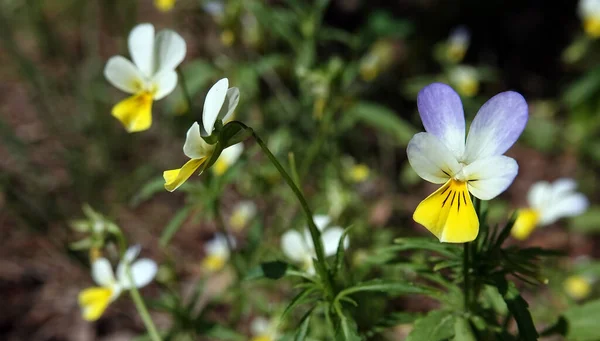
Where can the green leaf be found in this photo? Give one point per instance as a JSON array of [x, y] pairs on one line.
[[445, 249], [383, 119], [462, 330], [174, 225], [582, 322], [234, 132], [583, 89], [347, 329], [387, 287], [520, 310], [303, 328], [301, 298], [339, 255], [152, 187], [437, 325], [274, 270]]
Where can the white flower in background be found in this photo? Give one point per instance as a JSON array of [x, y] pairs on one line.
[[458, 44], [219, 105], [264, 330], [475, 165], [93, 301], [548, 202], [243, 212], [227, 158], [300, 248], [217, 253], [465, 79], [589, 12], [149, 78]]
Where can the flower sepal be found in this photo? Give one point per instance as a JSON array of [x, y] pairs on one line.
[[232, 133]]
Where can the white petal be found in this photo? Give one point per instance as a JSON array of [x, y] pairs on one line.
[[141, 48], [567, 206], [562, 186], [164, 83], [131, 253], [259, 326], [218, 245], [431, 159], [231, 101], [321, 221], [142, 272], [102, 272], [331, 240], [170, 50], [195, 147], [538, 194], [125, 76], [232, 153], [213, 103], [294, 246], [491, 176]]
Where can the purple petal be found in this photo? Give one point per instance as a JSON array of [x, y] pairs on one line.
[[442, 114], [497, 126]]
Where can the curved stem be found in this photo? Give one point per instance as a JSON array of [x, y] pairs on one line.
[[186, 92], [142, 310]]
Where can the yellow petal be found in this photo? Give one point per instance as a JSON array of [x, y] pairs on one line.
[[456, 52], [176, 177], [526, 222], [164, 5], [220, 166], [578, 287], [359, 173], [213, 263], [262, 338], [591, 27], [449, 214], [135, 112], [93, 302]]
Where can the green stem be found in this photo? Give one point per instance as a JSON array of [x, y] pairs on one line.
[[142, 310], [186, 92], [467, 288]]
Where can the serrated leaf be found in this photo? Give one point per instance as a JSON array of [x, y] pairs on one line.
[[582, 322], [437, 325]]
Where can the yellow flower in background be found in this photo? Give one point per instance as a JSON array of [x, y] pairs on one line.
[[94, 301], [577, 287], [164, 5], [219, 104], [379, 58], [465, 79], [359, 172], [475, 167], [458, 44], [149, 78], [548, 202], [263, 329], [589, 12], [243, 212], [227, 158], [300, 248], [217, 253]]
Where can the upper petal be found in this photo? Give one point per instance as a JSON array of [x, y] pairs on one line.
[[141, 48], [538, 194], [124, 75], [431, 159], [131, 253], [232, 153], [164, 83], [231, 101], [294, 246], [442, 114], [142, 272], [213, 103], [331, 240], [321, 221], [497, 126], [102, 272], [170, 50], [566, 206], [195, 147], [491, 176]]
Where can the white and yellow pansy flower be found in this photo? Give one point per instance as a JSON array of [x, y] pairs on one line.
[[548, 202], [164, 5], [219, 105], [589, 11], [150, 77], [441, 155], [465, 79], [458, 44], [243, 212], [300, 248], [95, 300], [217, 253], [263, 329]]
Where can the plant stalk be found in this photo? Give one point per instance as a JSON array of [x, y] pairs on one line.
[[186, 92], [142, 310]]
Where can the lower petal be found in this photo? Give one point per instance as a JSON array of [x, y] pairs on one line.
[[449, 214], [93, 302], [591, 26], [135, 112], [526, 222], [176, 177], [214, 263]]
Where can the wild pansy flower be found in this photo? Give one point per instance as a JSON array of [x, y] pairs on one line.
[[164, 5], [300, 248], [589, 11], [263, 329], [93, 301], [243, 212], [465, 79], [217, 253], [219, 105], [476, 166], [548, 202], [458, 44], [149, 78]]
